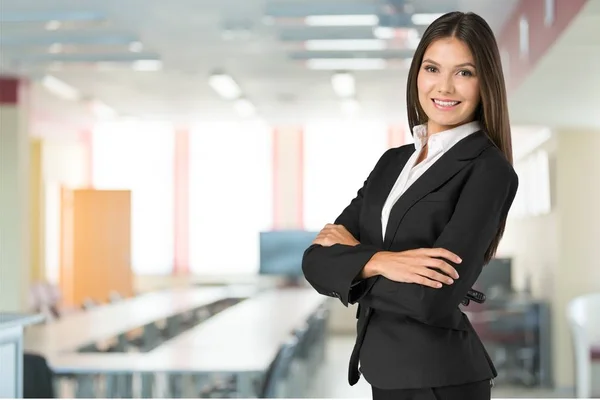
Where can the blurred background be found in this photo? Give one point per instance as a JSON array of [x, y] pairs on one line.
[[163, 165]]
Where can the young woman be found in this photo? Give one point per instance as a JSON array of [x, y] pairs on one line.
[[428, 218]]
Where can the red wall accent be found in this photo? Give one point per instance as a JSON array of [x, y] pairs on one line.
[[9, 91], [541, 37]]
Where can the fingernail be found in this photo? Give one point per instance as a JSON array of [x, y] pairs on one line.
[[450, 281], [438, 285], [458, 259]]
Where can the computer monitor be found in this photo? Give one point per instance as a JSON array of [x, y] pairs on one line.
[[281, 252], [495, 278]]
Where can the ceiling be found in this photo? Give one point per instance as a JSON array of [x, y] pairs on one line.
[[565, 85], [192, 39]]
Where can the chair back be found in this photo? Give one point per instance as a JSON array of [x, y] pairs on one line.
[[583, 315]]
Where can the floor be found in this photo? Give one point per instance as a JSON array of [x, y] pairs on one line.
[[333, 380]]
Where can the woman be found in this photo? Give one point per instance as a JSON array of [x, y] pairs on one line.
[[428, 218]]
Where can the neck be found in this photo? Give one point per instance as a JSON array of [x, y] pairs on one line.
[[433, 128]]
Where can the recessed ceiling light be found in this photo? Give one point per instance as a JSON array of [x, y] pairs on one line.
[[225, 86], [53, 25], [136, 47], [244, 108], [343, 84], [55, 48]]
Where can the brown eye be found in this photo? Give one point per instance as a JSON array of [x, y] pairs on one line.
[[430, 68], [465, 72]]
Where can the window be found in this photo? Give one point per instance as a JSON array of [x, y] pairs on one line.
[[338, 158], [139, 157], [534, 193], [231, 196]]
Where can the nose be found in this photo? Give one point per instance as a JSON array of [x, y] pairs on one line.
[[445, 84]]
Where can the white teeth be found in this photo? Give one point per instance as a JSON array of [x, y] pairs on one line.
[[446, 103]]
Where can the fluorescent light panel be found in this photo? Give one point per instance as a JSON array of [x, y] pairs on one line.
[[147, 65], [341, 20], [102, 110], [225, 86], [346, 63], [345, 44], [60, 88], [344, 84], [424, 19]]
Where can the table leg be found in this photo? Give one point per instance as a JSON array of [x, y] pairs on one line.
[[147, 385], [150, 336], [85, 387], [246, 385]]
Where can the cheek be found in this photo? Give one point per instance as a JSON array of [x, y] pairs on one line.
[[424, 86], [470, 91]]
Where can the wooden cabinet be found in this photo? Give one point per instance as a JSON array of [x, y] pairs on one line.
[[95, 244]]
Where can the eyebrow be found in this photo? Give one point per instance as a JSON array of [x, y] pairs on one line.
[[467, 64]]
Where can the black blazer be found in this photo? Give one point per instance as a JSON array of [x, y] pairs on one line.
[[417, 336]]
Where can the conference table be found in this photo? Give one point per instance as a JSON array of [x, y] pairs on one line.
[[241, 340], [114, 320]]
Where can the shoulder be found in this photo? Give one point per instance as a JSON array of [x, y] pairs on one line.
[[492, 164], [395, 152]]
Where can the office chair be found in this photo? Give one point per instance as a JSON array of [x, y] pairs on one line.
[[584, 322]]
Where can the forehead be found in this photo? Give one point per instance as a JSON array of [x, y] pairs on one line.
[[448, 51]]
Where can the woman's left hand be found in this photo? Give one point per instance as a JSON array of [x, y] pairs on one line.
[[335, 234]]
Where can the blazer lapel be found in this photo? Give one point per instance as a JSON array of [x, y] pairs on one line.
[[448, 165], [381, 188]]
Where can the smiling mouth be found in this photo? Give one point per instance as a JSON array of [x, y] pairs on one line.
[[445, 104]]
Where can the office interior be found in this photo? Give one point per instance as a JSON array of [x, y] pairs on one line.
[[163, 165]]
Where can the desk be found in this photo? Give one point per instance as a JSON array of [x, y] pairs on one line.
[[113, 320], [11, 352], [242, 340], [518, 317]]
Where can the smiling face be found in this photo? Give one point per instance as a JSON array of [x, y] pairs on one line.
[[447, 85]]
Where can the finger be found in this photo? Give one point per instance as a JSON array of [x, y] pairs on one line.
[[436, 276], [438, 264], [443, 253], [443, 266], [421, 280]]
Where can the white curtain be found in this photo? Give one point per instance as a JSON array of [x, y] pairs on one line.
[[231, 196], [139, 157], [338, 158]]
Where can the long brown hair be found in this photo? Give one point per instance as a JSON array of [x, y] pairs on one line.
[[492, 112]]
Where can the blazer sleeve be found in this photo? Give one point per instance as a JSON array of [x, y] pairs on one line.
[[482, 205], [331, 270]]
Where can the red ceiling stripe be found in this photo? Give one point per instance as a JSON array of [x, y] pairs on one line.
[[541, 37]]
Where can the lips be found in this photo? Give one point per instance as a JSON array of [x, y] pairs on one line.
[[445, 104]]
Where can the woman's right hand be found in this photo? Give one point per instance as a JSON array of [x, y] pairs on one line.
[[415, 266]]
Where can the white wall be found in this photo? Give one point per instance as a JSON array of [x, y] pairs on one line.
[[14, 208], [64, 164], [578, 197], [558, 250]]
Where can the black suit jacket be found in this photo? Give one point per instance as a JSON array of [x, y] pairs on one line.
[[409, 335]]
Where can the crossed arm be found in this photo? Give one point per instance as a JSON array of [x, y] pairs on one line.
[[336, 269]]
